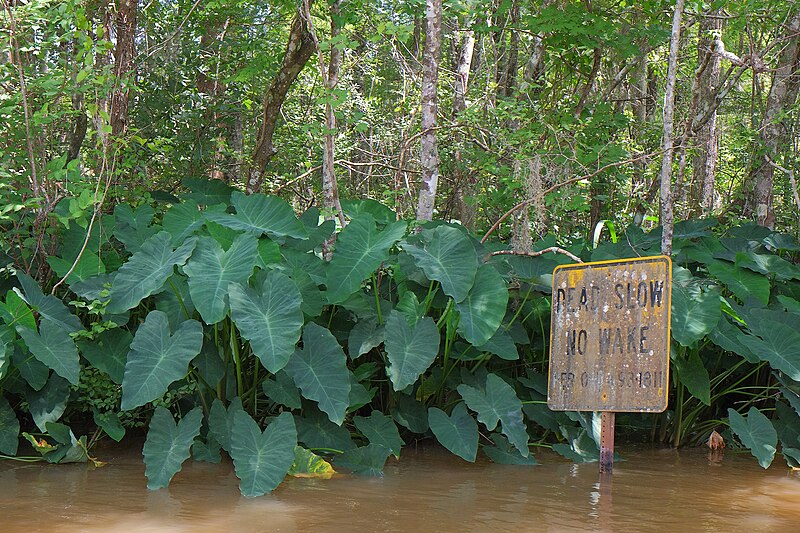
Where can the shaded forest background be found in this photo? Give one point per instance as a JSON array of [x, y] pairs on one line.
[[557, 104]]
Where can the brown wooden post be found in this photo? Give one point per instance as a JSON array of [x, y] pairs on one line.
[[606, 442]]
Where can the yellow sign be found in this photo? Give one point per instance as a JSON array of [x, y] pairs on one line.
[[609, 336]]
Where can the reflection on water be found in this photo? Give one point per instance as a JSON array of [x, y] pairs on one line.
[[428, 490]]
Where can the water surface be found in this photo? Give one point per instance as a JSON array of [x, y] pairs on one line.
[[427, 490]]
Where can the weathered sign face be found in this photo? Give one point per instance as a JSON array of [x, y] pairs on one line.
[[609, 336]]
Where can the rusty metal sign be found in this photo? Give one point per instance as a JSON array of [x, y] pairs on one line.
[[609, 336]]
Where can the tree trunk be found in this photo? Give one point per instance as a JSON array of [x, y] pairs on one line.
[[667, 220], [776, 124], [429, 154], [704, 161], [124, 53], [463, 182], [299, 48]]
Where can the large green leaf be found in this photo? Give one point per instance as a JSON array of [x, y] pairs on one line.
[[147, 270], [380, 429], [157, 358], [500, 344], [457, 432], [483, 309], [181, 220], [168, 444], [695, 309], [271, 321], [317, 432], [360, 250], [89, 265], [505, 454], [693, 374], [320, 370], [211, 270], [498, 403], [48, 404], [367, 460], [261, 459], [777, 342], [410, 413], [220, 421], [48, 306], [110, 423], [756, 433], [53, 347], [132, 226], [261, 214], [207, 191], [742, 282], [30, 368], [447, 257], [729, 337], [282, 390], [108, 352], [9, 428], [365, 336], [410, 350]]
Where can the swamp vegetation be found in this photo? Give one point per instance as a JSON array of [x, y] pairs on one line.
[[225, 225]]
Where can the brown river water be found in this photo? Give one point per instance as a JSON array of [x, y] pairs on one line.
[[427, 490]]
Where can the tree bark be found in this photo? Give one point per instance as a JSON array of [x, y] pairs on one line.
[[429, 154], [667, 215], [124, 54], [299, 48], [776, 124], [463, 182], [704, 161]]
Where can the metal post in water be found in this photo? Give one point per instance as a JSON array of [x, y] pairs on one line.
[[606, 442]]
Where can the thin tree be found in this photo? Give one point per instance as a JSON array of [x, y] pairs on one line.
[[429, 154], [667, 215]]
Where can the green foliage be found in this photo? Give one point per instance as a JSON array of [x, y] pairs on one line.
[[241, 323]]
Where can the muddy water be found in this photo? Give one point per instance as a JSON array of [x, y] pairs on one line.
[[427, 490]]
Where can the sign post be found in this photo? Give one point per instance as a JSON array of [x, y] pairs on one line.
[[609, 340]]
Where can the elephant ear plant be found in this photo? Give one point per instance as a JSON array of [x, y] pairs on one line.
[[215, 320]]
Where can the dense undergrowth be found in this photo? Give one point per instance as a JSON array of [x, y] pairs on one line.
[[212, 316]]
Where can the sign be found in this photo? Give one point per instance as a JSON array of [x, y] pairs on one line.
[[609, 336]]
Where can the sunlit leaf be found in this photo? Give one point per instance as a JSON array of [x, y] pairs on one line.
[[484, 307], [447, 257], [261, 459], [271, 320], [211, 270], [360, 250], [168, 444], [146, 271], [308, 464], [320, 370], [157, 358], [457, 432], [756, 433], [498, 403], [410, 350]]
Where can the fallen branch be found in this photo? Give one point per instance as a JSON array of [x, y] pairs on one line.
[[554, 249]]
